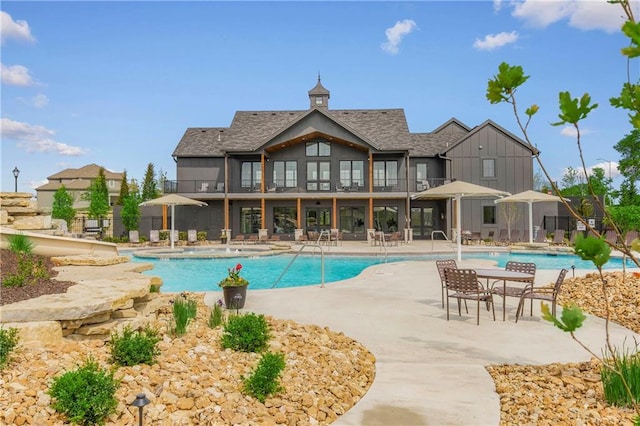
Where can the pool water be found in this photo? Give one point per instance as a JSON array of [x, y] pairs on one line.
[[262, 272]]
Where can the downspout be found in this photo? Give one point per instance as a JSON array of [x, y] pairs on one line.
[[447, 171], [263, 202], [370, 190], [407, 212], [226, 189]]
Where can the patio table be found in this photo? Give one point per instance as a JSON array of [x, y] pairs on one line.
[[504, 276]]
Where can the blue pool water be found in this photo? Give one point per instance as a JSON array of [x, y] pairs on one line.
[[204, 274]]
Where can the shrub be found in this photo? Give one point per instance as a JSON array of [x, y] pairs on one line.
[[628, 365], [85, 395], [134, 347], [184, 310], [20, 244], [216, 316], [30, 270], [264, 379], [246, 333], [8, 342]]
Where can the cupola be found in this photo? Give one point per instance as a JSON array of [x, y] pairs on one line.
[[319, 96]]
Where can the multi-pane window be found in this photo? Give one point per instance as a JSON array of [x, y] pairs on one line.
[[318, 149], [489, 215], [285, 220], [385, 218], [352, 173], [352, 219], [250, 220], [488, 167], [421, 177], [251, 174], [385, 173], [318, 176], [285, 174]]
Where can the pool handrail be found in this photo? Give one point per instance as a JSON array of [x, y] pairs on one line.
[[438, 231], [315, 246]]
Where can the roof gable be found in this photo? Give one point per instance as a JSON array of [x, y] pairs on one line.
[[485, 125]]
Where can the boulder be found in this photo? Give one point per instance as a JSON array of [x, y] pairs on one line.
[[32, 222]]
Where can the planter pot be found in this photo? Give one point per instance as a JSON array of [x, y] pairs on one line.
[[231, 299]]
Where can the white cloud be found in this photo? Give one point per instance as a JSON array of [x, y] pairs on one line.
[[36, 138], [40, 100], [395, 35], [571, 132], [609, 167], [15, 75], [14, 29], [497, 5], [33, 184], [492, 41], [581, 14]]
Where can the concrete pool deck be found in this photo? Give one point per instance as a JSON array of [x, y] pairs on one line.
[[429, 371]]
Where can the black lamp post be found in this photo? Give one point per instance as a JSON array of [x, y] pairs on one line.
[[16, 173], [141, 401]]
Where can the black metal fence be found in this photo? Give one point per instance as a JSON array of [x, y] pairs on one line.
[[568, 223]]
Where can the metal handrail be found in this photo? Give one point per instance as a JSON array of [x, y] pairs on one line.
[[296, 256], [438, 231]]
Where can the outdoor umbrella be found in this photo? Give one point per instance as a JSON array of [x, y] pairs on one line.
[[173, 200], [457, 190], [529, 197]]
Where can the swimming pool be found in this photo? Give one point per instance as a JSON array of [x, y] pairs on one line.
[[262, 272]]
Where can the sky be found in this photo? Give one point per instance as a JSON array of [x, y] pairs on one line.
[[118, 83]]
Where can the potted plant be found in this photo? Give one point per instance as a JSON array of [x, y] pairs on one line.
[[234, 288]]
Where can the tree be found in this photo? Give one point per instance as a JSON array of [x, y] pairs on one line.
[[149, 185], [124, 189], [131, 211], [98, 196], [571, 178], [63, 206], [510, 213], [629, 167]]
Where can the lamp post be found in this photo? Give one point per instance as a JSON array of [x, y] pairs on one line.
[[16, 173], [141, 401]]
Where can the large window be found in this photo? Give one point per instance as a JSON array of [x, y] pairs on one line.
[[351, 173], [285, 220], [422, 182], [489, 215], [488, 168], [251, 174], [385, 173], [285, 174], [318, 149], [385, 218], [318, 176], [250, 220], [352, 219]]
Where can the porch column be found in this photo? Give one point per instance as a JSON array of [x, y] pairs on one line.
[[334, 219]]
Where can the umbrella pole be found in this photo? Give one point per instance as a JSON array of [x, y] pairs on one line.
[[173, 218], [458, 227], [530, 222]]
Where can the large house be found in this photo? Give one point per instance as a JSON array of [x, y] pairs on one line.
[[352, 170], [77, 183]]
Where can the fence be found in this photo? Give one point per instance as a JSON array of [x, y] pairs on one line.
[[568, 223]]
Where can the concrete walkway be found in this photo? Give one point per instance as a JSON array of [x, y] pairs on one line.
[[429, 371]]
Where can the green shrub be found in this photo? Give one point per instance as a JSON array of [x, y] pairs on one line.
[[20, 244], [246, 333], [134, 347], [85, 395], [184, 310], [30, 270], [264, 379], [627, 364], [201, 235], [8, 342], [216, 316]]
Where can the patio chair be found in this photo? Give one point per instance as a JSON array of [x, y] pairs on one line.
[[238, 239], [253, 239], [154, 237], [541, 236], [549, 294], [630, 236], [503, 237], [573, 236], [192, 236], [463, 284], [515, 236], [443, 264], [134, 237], [611, 237], [505, 291], [558, 237]]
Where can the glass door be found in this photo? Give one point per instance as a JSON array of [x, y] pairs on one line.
[[422, 222], [317, 219]]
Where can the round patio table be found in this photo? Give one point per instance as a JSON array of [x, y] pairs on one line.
[[504, 276]]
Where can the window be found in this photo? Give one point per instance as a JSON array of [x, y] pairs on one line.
[[385, 173], [351, 173], [250, 220], [318, 149], [385, 218], [251, 174], [352, 219], [285, 174], [318, 100], [285, 220], [421, 172], [489, 215], [488, 168], [318, 176]]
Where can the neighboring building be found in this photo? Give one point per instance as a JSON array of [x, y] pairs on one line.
[[289, 172], [77, 182]]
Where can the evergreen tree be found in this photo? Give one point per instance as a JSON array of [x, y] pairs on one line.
[[149, 185], [124, 189], [63, 206], [98, 196], [131, 211]]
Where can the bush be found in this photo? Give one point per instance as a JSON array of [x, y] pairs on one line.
[[264, 379], [184, 310], [8, 342], [134, 347], [85, 395], [30, 270], [246, 333], [20, 244], [627, 364]]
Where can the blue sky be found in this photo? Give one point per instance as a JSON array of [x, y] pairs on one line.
[[117, 83]]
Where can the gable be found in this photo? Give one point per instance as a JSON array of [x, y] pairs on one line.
[[489, 135]]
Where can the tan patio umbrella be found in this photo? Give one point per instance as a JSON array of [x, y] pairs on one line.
[[529, 197], [173, 200], [457, 190]]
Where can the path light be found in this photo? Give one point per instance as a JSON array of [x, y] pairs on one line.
[[16, 173], [237, 298], [573, 270], [141, 401]]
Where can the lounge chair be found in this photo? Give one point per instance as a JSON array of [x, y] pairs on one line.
[[558, 237], [503, 237], [443, 264], [549, 294], [192, 236], [154, 237], [463, 284], [630, 236], [134, 237], [574, 235], [237, 239], [253, 239], [611, 237], [541, 236], [515, 236]]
